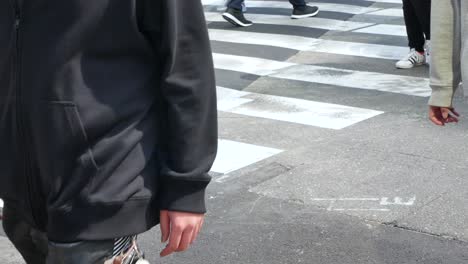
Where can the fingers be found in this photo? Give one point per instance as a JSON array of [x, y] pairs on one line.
[[445, 113], [181, 229], [449, 115], [194, 235], [435, 116], [174, 240], [186, 239], [442, 115], [437, 121], [196, 232], [451, 119], [165, 226]]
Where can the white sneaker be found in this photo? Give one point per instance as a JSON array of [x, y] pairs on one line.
[[427, 49], [411, 60]]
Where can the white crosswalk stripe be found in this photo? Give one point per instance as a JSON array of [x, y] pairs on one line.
[[292, 110], [316, 74], [385, 1], [388, 12], [358, 79], [310, 44], [234, 155], [380, 29], [252, 65]]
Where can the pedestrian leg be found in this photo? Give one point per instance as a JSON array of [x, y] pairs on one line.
[[236, 4], [422, 10], [416, 38], [414, 30], [31, 244], [302, 10], [120, 251], [96, 252], [298, 3], [235, 15]]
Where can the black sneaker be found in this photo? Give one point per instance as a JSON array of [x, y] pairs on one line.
[[307, 11], [236, 17]]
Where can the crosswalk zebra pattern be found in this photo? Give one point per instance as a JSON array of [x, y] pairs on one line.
[[351, 29]]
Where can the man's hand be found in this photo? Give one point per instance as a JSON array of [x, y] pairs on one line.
[[443, 115], [181, 229]]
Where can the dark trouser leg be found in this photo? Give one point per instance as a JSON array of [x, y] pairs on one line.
[[413, 26], [236, 4], [89, 252], [422, 9], [298, 3], [31, 244]]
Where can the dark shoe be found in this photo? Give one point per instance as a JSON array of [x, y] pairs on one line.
[[236, 17], [307, 11]]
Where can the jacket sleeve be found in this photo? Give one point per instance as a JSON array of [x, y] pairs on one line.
[[445, 52], [188, 91]]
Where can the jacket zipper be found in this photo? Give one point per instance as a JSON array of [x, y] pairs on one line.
[[25, 153]]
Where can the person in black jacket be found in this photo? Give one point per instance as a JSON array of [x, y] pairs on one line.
[[108, 125]]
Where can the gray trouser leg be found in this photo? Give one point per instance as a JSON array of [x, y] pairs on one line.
[[464, 44]]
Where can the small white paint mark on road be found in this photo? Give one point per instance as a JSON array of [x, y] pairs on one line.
[[345, 199], [384, 201], [398, 201], [361, 209]]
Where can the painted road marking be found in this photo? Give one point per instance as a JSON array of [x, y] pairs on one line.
[[310, 44], [324, 115], [234, 155], [256, 66], [385, 1], [357, 79], [384, 201], [398, 201], [396, 12], [361, 209], [382, 29], [407, 85], [345, 199]]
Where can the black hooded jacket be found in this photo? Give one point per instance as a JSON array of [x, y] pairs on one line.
[[107, 113]]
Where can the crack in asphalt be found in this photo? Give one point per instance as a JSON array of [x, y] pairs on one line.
[[395, 224]]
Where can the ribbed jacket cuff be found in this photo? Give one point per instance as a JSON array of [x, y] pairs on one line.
[[183, 196], [442, 96]]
